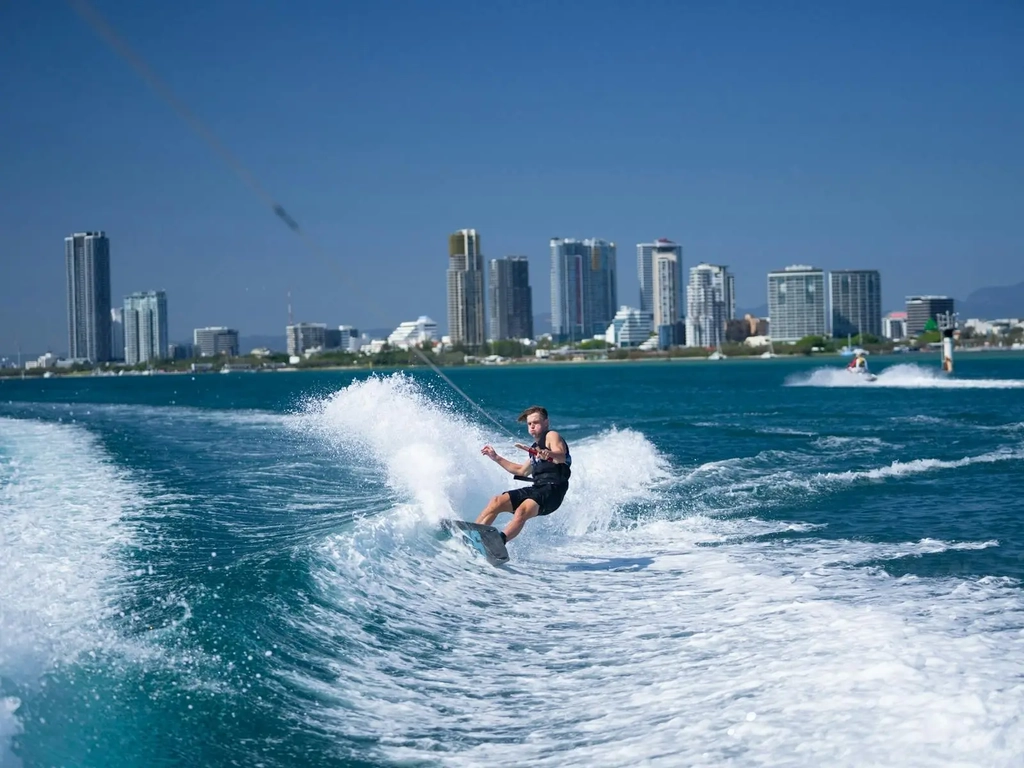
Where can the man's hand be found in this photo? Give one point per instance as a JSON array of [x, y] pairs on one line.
[[490, 453]]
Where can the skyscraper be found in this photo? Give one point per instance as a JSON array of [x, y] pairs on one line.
[[566, 290], [465, 289], [710, 305], [145, 327], [921, 309], [855, 298], [600, 284], [87, 258], [796, 303], [511, 301], [667, 293], [645, 259], [584, 288], [116, 333]]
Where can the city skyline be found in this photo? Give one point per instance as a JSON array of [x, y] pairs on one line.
[[850, 307], [795, 294], [816, 156], [857, 303], [180, 334]]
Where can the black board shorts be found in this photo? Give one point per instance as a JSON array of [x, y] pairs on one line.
[[549, 496]]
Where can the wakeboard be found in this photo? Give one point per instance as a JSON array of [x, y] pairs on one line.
[[485, 539]]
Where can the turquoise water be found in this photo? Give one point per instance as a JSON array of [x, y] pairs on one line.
[[759, 563]]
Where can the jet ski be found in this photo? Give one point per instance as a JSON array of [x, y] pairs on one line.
[[863, 372]]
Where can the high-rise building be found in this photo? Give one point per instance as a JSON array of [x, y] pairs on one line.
[[646, 254], [116, 333], [566, 290], [710, 305], [667, 293], [511, 300], [87, 258], [855, 299], [921, 309], [796, 303], [584, 287], [301, 337], [465, 289], [215, 341], [145, 327], [600, 283]]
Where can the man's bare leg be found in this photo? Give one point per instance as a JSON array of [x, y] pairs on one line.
[[494, 507], [527, 509]]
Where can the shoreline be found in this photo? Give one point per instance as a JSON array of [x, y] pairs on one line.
[[526, 362]]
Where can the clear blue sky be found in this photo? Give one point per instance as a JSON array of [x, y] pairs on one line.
[[854, 135]]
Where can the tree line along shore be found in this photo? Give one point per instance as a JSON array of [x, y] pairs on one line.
[[499, 352]]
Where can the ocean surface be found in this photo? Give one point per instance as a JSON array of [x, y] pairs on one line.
[[758, 563]]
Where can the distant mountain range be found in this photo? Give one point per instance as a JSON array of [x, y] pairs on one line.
[[993, 303]]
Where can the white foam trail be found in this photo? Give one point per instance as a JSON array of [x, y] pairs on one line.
[[647, 649], [61, 529], [785, 431], [848, 445], [902, 376], [806, 556], [922, 418], [919, 466], [746, 485]]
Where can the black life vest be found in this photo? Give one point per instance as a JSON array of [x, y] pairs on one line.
[[549, 472]]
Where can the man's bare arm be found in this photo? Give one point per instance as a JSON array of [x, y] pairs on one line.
[[515, 469]]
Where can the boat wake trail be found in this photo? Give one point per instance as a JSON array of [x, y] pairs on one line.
[[903, 376]]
